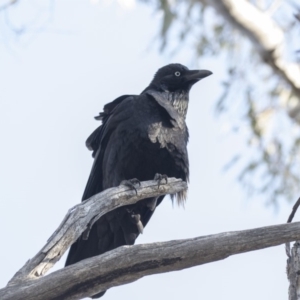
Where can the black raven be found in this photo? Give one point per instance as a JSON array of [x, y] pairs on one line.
[[142, 137]]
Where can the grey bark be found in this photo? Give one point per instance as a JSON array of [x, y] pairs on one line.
[[293, 261], [293, 271], [129, 263], [85, 214]]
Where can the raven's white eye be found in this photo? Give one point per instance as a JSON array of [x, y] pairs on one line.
[[177, 73]]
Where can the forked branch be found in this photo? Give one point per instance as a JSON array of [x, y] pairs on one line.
[[128, 263]]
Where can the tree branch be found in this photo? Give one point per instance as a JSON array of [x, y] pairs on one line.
[[129, 263], [266, 37], [82, 216]]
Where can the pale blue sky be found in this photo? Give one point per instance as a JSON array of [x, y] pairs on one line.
[[53, 83]]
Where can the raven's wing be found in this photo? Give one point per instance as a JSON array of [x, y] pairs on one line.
[[94, 140], [96, 143], [117, 227]]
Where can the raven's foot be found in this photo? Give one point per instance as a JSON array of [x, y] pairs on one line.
[[160, 177], [131, 183]]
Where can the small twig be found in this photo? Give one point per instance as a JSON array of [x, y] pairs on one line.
[[294, 210], [290, 219]]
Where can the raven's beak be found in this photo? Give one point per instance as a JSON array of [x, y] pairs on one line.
[[196, 75]]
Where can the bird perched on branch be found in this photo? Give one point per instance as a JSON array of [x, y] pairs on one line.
[[142, 137]]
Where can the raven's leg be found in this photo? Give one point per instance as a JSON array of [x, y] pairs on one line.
[[131, 226], [136, 220], [151, 203], [131, 183], [160, 177]]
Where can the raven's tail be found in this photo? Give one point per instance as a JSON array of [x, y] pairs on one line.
[[106, 234]]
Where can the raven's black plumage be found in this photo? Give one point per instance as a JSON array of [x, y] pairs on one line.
[[140, 135]]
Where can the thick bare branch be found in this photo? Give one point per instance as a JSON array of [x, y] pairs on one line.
[[266, 37], [83, 215], [129, 263]]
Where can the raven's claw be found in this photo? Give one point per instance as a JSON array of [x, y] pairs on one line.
[[131, 183], [160, 177]]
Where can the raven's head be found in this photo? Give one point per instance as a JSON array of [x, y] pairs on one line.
[[176, 80], [176, 77]]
